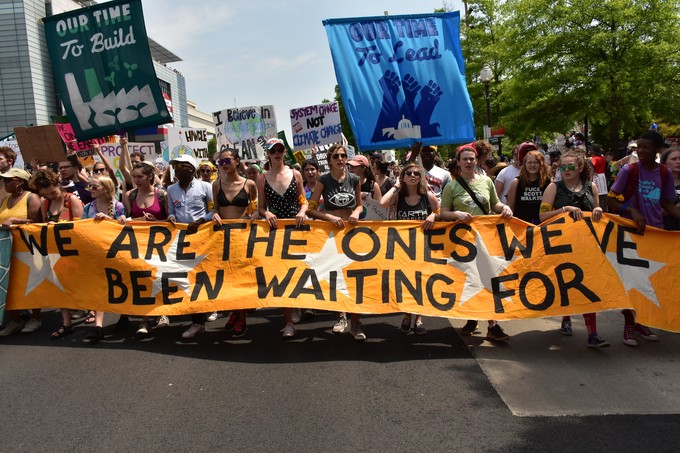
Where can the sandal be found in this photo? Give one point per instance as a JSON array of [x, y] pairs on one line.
[[61, 332], [89, 319]]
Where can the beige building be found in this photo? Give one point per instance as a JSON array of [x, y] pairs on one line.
[[200, 120]]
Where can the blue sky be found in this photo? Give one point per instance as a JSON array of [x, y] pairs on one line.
[[239, 53]]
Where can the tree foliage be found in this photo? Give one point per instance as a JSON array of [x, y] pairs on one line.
[[614, 61]]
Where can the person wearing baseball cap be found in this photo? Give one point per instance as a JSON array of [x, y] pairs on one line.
[[190, 201], [360, 166]]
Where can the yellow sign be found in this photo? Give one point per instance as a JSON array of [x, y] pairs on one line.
[[489, 269]]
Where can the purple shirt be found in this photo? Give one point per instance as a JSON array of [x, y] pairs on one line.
[[648, 197]]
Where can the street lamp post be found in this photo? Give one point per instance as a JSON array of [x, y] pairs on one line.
[[485, 76]]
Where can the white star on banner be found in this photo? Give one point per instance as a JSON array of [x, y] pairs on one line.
[[327, 260], [172, 265], [480, 271], [636, 277], [41, 268]]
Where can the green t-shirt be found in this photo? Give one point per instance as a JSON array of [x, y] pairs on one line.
[[456, 198]]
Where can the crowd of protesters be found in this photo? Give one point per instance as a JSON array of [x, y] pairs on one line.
[[534, 186]]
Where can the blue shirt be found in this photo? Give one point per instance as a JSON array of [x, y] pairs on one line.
[[192, 204]]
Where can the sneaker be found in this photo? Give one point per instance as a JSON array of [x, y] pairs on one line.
[[419, 328], [357, 333], [231, 322], [565, 328], [405, 324], [143, 328], [296, 315], [163, 321], [469, 328], [289, 330], [341, 325], [641, 330], [594, 341], [31, 326], [11, 328], [239, 330], [212, 317], [629, 336], [496, 333], [193, 330]]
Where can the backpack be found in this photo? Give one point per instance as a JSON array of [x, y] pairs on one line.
[[634, 178], [159, 192]]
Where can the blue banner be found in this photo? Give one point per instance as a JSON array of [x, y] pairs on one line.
[[5, 258], [402, 79]]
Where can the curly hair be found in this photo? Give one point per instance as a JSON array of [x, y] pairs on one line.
[[42, 179]]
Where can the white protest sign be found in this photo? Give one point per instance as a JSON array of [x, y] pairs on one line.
[[246, 129], [183, 140], [316, 125], [112, 151]]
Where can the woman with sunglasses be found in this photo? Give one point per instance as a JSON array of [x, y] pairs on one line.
[[103, 168], [341, 192], [411, 200], [526, 190], [19, 207], [281, 195], [103, 206], [205, 171], [146, 203], [574, 194], [473, 194], [58, 206], [235, 198]]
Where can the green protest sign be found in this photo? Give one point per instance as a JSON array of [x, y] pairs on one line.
[[103, 69]]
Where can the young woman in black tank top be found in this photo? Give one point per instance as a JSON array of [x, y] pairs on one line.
[[281, 195], [526, 191], [341, 204], [574, 194], [235, 198], [412, 201]]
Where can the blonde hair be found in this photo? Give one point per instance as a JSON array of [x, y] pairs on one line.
[[107, 184]]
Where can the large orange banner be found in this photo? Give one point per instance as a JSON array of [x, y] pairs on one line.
[[489, 269]]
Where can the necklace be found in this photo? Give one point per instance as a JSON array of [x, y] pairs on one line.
[[574, 189]]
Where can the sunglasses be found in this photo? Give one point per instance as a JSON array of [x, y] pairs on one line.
[[93, 187], [98, 170], [182, 165], [412, 173], [206, 170], [276, 150], [570, 167], [224, 162], [339, 156]]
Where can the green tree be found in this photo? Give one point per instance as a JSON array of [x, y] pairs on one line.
[[212, 147], [614, 61], [344, 121]]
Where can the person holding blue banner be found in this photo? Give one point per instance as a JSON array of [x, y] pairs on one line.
[[470, 195], [341, 192]]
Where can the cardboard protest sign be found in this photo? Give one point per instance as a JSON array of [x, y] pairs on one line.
[[316, 125], [246, 129], [103, 68], [402, 79], [40, 142]]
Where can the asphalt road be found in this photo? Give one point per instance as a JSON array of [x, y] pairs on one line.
[[318, 392]]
